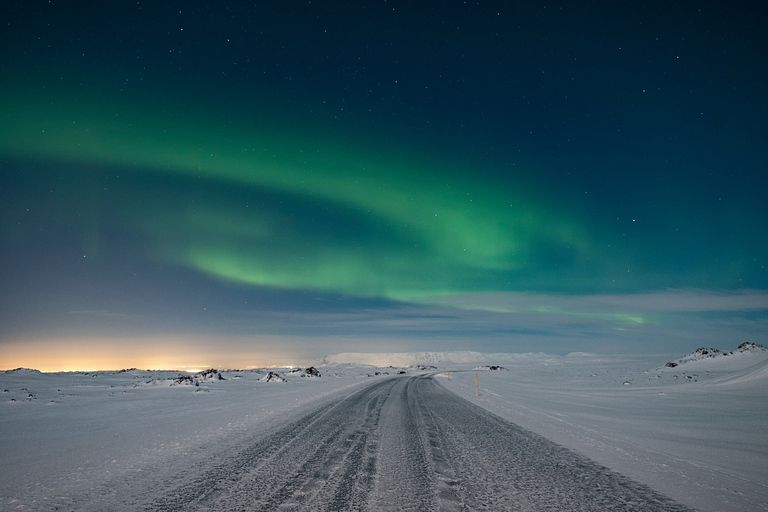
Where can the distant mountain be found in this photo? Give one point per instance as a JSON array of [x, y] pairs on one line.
[[403, 359], [23, 370]]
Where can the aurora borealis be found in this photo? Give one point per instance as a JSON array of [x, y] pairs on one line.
[[281, 180], [418, 228]]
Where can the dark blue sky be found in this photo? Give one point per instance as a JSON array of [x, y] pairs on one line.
[[292, 179]]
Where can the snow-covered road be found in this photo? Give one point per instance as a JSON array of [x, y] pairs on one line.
[[367, 438], [405, 443]]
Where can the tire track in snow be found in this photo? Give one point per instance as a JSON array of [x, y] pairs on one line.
[[407, 443], [497, 465], [324, 461]]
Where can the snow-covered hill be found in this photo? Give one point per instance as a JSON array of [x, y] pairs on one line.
[[701, 354]]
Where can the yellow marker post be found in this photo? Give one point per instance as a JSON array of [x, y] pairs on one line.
[[477, 385]]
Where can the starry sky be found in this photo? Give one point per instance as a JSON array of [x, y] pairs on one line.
[[193, 184]]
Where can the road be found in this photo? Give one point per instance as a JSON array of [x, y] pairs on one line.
[[406, 443]]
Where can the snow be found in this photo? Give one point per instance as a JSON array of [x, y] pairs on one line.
[[65, 434], [697, 432]]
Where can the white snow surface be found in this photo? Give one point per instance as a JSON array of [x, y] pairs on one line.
[[697, 432]]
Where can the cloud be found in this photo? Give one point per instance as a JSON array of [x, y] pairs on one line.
[[103, 313], [660, 301]]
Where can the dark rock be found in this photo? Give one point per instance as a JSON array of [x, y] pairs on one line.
[[272, 377], [748, 346], [184, 380], [311, 372], [210, 374], [709, 352]]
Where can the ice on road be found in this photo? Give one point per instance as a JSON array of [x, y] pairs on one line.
[[406, 443]]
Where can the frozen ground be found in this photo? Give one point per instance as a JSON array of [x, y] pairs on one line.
[[697, 432]]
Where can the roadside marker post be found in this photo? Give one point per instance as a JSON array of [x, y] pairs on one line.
[[477, 385]]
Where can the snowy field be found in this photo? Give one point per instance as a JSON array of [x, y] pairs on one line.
[[697, 431], [68, 437]]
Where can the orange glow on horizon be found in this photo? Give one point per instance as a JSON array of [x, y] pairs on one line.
[[156, 353]]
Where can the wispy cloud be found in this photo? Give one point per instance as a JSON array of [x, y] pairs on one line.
[[629, 305]]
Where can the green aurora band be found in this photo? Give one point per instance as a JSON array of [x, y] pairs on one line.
[[352, 220]]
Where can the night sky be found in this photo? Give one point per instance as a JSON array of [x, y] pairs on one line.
[[233, 184]]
